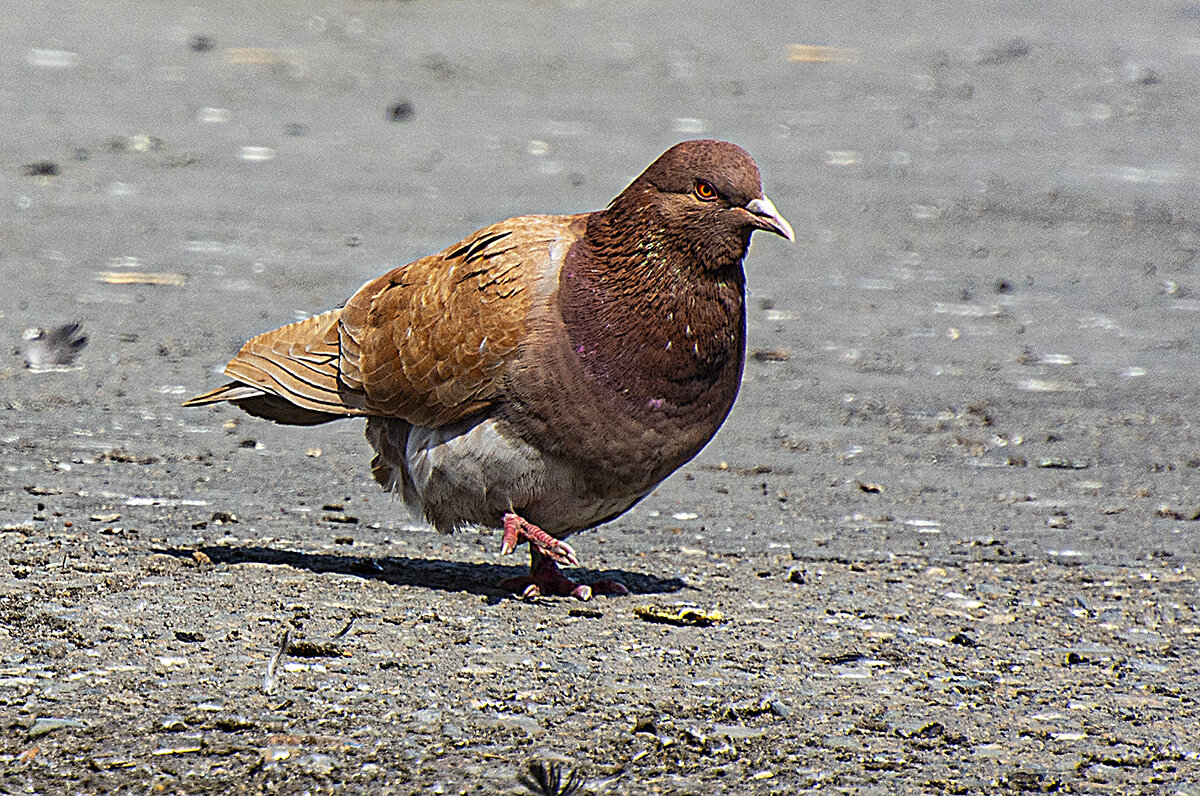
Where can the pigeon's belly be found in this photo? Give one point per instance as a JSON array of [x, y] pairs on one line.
[[473, 472]]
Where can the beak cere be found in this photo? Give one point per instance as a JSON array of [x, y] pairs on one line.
[[768, 218]]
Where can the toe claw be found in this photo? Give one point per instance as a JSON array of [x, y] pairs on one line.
[[544, 575], [512, 534], [562, 553], [517, 528]]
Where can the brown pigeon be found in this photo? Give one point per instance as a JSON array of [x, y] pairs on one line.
[[546, 372]]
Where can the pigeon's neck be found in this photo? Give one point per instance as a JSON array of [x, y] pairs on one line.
[[635, 232]]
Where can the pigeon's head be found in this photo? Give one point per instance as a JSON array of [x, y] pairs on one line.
[[709, 195]]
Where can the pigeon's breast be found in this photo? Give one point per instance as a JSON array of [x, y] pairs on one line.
[[627, 387]]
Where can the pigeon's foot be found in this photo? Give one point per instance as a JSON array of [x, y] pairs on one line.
[[545, 578], [517, 528]]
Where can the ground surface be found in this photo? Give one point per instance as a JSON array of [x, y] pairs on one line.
[[949, 526]]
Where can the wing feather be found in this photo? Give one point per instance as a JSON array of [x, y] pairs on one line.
[[428, 342]]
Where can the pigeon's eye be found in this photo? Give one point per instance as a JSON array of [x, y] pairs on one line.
[[704, 191]]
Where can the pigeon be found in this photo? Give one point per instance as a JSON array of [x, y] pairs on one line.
[[545, 373]]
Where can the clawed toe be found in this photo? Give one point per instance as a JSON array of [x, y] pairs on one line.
[[581, 592], [546, 553], [517, 528], [545, 578]]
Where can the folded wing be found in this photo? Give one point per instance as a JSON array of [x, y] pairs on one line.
[[427, 342]]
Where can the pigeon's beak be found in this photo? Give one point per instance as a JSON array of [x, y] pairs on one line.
[[765, 216]]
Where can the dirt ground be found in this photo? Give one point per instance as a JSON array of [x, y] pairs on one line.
[[946, 542]]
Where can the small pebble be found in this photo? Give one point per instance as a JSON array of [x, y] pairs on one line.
[[44, 726], [400, 111]]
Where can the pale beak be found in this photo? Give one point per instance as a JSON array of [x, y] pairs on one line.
[[768, 218]]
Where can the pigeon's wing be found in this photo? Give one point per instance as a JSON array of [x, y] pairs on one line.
[[427, 342]]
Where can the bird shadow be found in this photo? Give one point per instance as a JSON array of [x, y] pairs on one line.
[[425, 573]]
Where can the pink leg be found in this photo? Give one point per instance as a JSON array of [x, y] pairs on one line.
[[546, 578], [516, 527], [545, 554]]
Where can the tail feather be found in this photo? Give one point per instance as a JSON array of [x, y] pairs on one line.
[[290, 375], [232, 392], [260, 404]]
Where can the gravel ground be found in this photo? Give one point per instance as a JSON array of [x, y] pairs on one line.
[[945, 543]]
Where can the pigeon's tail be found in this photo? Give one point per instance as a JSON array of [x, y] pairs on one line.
[[290, 375], [233, 392]]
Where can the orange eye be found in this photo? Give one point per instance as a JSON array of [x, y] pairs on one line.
[[704, 191]]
